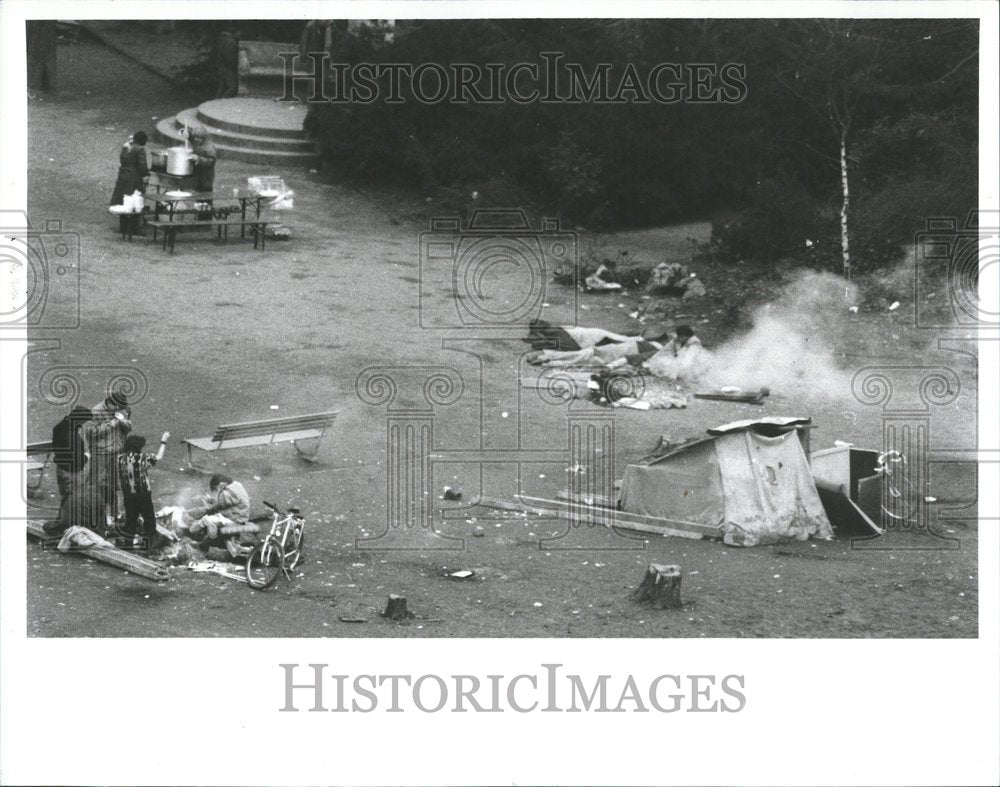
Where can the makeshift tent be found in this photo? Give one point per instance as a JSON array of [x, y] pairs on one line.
[[750, 477]]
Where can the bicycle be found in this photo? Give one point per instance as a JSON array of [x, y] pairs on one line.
[[279, 552]]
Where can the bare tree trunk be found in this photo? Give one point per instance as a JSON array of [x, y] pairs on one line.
[[41, 40], [845, 207]]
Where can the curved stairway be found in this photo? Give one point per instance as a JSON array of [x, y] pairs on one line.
[[255, 130]]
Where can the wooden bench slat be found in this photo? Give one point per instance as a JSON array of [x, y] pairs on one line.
[[266, 432], [211, 444], [161, 223], [253, 430]]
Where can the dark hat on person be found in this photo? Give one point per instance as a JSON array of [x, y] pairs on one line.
[[80, 413]]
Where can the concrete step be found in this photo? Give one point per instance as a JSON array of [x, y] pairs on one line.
[[260, 146], [258, 138], [255, 116]]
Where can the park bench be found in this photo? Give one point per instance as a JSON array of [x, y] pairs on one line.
[[44, 450], [267, 432], [169, 228]]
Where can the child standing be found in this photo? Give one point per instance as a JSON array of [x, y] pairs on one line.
[[133, 472]]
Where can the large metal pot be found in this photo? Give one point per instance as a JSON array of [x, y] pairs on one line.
[[179, 161], [158, 160]]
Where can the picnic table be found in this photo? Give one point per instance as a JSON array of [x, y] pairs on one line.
[[171, 212], [175, 203]]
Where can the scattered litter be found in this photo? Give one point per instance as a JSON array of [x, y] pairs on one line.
[[537, 604], [930, 499], [852, 309], [504, 414], [462, 574], [274, 407], [351, 619], [451, 494], [893, 306]]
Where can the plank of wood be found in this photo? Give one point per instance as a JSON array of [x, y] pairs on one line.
[[601, 501], [750, 397], [563, 510], [119, 558], [630, 520]]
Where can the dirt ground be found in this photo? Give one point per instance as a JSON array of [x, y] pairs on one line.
[[222, 333]]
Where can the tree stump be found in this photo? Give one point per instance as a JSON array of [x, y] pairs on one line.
[[661, 587], [396, 609]]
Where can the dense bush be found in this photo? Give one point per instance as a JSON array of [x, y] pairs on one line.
[[900, 92]]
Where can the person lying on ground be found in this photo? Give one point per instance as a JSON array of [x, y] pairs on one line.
[[606, 353], [682, 358], [225, 517], [133, 473], [544, 335]]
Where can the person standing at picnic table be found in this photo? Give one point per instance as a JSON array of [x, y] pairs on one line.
[[132, 171], [132, 167], [203, 152], [225, 516], [137, 494], [106, 432]]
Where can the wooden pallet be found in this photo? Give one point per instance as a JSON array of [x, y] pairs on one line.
[[119, 558]]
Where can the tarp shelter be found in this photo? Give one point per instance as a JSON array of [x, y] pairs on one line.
[[750, 477]]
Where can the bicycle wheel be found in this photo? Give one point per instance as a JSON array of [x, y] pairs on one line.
[[264, 565]]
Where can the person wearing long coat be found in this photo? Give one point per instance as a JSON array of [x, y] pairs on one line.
[[204, 158], [132, 167]]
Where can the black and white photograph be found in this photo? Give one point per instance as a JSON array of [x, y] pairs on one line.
[[580, 350]]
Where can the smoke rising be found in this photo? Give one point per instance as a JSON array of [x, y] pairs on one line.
[[792, 344]]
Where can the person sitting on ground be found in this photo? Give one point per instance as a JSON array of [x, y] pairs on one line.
[[225, 517], [133, 473], [682, 358]]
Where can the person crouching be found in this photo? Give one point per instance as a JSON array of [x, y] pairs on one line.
[[133, 474], [225, 518]]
